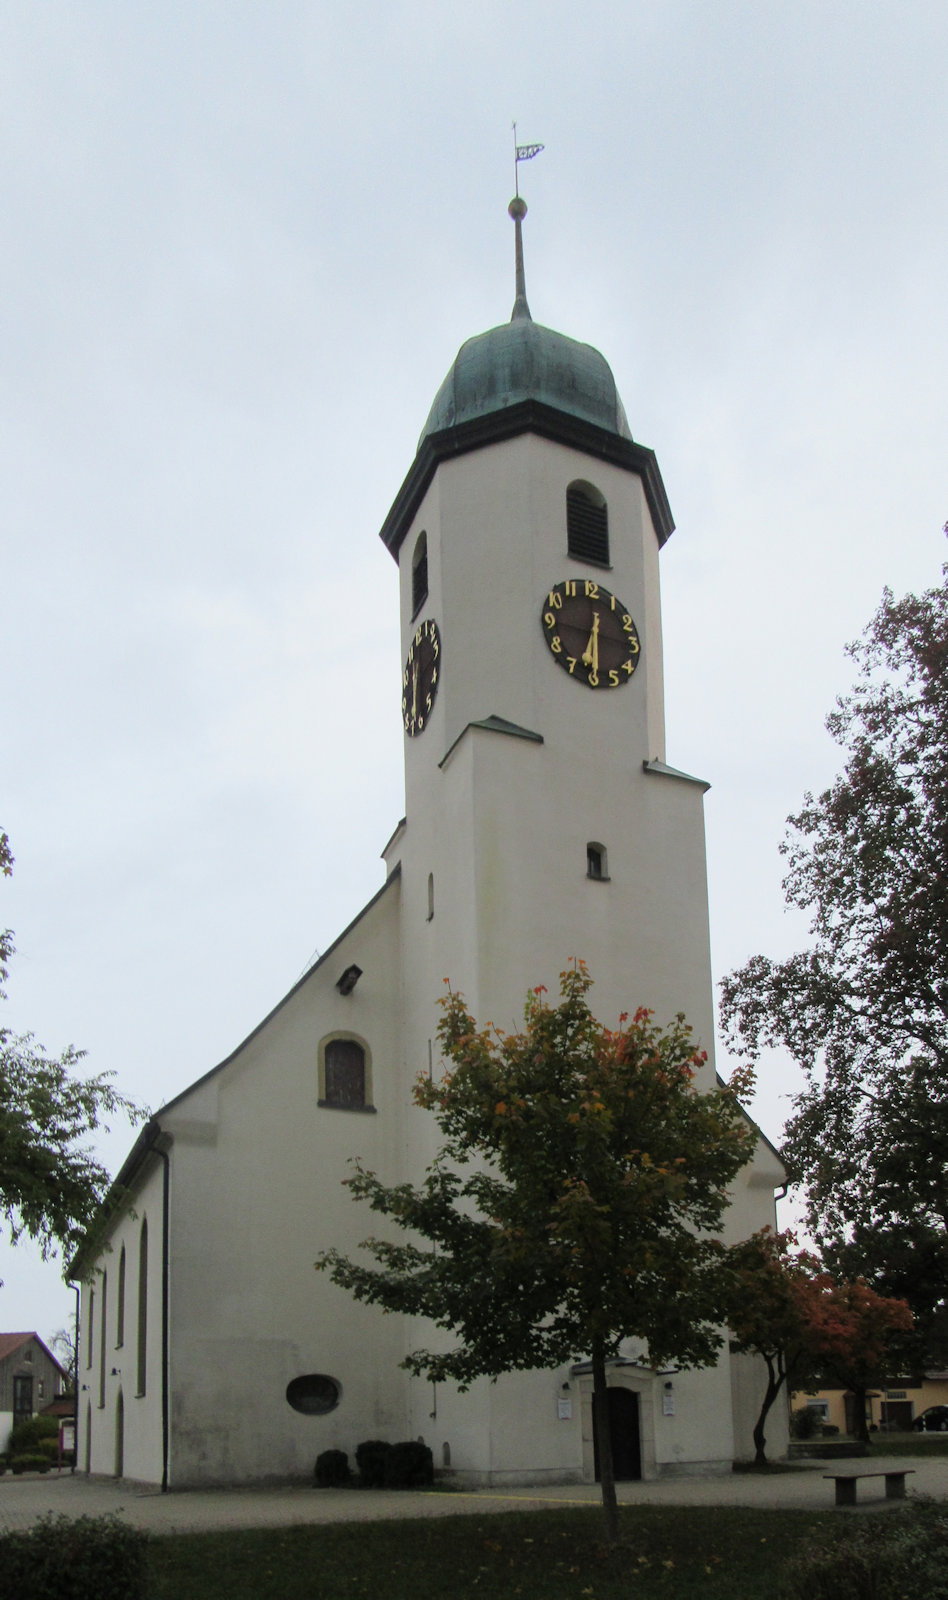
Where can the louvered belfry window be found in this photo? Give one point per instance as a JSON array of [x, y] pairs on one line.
[[587, 525], [419, 574]]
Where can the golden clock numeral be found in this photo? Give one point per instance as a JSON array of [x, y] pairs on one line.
[[629, 667], [612, 601], [593, 680], [572, 663], [634, 646], [428, 704], [418, 637], [434, 676], [549, 619], [613, 677], [555, 599], [569, 587], [556, 644], [627, 623], [592, 590]]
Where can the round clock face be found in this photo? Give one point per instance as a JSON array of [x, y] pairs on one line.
[[420, 678], [590, 633]]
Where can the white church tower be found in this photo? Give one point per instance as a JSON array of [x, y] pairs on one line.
[[542, 824]]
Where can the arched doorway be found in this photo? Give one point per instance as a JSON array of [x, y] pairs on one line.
[[625, 1435], [119, 1435]]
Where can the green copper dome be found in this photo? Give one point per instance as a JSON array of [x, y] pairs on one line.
[[523, 361]]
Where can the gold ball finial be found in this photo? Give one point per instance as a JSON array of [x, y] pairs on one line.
[[517, 208]]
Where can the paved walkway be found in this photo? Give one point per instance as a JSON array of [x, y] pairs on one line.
[[24, 1499]]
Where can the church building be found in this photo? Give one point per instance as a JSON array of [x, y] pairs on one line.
[[542, 822]]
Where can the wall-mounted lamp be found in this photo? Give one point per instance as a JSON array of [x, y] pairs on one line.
[[669, 1384], [566, 1386], [116, 1372], [349, 979]]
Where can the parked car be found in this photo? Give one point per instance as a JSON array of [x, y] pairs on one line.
[[932, 1420]]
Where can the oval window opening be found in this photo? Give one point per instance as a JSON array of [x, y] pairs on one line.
[[314, 1394]]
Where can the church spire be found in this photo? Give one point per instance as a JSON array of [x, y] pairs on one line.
[[518, 210]]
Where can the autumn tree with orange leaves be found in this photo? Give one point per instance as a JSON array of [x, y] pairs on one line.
[[576, 1200], [807, 1326]]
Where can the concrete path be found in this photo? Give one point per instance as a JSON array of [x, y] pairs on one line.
[[24, 1499]]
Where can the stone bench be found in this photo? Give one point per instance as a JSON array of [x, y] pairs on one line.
[[846, 1484]]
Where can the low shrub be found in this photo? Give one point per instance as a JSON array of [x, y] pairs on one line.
[[30, 1463], [370, 1460], [409, 1466], [26, 1436], [875, 1558], [805, 1423], [332, 1470], [82, 1558]]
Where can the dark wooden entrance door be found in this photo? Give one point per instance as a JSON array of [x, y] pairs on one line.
[[624, 1431], [22, 1400]]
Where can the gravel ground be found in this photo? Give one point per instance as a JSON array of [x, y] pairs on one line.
[[24, 1499]]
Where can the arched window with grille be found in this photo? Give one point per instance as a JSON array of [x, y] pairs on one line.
[[345, 1073], [587, 524]]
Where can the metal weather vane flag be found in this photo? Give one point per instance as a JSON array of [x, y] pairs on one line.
[[522, 152]]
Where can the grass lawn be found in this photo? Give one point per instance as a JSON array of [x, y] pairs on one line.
[[701, 1553]]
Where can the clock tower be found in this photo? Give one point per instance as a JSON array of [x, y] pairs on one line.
[[542, 821]]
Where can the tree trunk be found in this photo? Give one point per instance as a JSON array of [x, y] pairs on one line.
[[607, 1480], [774, 1385], [860, 1429]]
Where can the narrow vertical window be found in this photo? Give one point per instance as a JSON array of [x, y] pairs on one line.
[[142, 1306], [430, 895], [90, 1328], [419, 574], [597, 865], [587, 524], [120, 1305], [103, 1335]]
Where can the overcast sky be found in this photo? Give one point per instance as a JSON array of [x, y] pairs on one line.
[[241, 244]]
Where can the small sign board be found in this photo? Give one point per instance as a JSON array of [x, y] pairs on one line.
[[564, 1408], [668, 1405]]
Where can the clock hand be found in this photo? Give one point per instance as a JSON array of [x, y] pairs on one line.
[[414, 689], [590, 656]]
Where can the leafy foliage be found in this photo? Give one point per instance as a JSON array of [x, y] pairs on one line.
[[768, 1316], [805, 1324], [50, 1180], [575, 1200], [876, 1558], [85, 1558], [864, 1012]]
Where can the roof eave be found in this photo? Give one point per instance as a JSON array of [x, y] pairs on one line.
[[527, 416]]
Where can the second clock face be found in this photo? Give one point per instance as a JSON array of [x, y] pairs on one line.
[[420, 677], [590, 633]]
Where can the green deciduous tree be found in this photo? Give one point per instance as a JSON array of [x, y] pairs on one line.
[[864, 1011], [51, 1182], [575, 1201]]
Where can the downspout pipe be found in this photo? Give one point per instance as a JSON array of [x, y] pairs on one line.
[[165, 1273], [77, 1289]]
